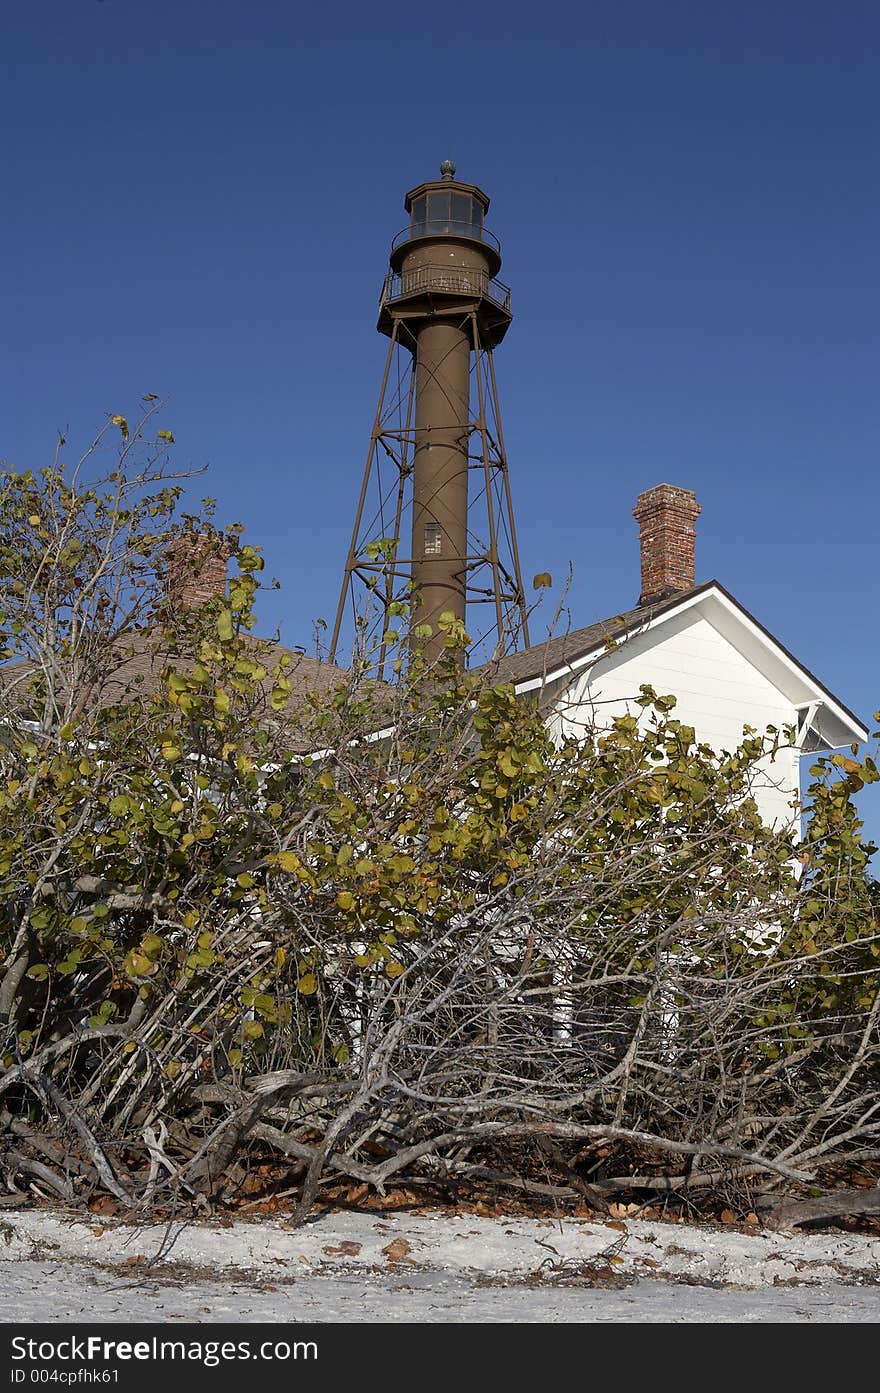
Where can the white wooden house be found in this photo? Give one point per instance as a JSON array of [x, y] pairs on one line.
[[695, 642]]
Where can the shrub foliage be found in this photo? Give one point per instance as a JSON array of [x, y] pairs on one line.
[[388, 932]]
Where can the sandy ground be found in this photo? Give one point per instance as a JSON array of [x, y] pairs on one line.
[[406, 1267]]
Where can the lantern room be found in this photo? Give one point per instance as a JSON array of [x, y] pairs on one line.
[[447, 209]]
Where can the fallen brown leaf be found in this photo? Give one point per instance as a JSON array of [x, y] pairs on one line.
[[397, 1250], [104, 1204], [346, 1249]]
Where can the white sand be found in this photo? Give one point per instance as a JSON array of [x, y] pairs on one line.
[[457, 1268]]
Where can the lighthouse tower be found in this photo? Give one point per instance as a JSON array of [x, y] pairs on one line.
[[434, 533]]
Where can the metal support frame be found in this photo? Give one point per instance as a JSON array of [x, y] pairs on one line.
[[377, 574]]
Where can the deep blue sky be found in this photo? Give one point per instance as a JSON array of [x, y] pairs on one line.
[[199, 195]]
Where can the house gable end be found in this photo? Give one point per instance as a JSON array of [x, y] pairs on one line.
[[831, 724]]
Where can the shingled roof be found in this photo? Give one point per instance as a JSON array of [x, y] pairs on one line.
[[542, 660], [142, 658]]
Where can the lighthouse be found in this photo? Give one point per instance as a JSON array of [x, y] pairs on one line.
[[434, 532]]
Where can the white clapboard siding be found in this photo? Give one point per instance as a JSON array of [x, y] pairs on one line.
[[718, 692]]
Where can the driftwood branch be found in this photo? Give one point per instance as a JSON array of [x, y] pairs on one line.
[[58, 1184], [572, 1132], [838, 1204], [42, 1083]]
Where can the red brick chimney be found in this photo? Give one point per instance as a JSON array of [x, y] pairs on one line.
[[666, 517], [195, 569]]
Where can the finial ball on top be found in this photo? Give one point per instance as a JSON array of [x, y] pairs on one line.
[[447, 169]]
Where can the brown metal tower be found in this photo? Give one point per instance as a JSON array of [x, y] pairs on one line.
[[434, 520]]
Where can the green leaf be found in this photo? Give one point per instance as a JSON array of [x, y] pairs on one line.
[[165, 435], [287, 860], [137, 964], [543, 580]]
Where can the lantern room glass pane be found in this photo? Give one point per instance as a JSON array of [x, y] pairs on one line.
[[461, 214], [418, 216], [438, 212]]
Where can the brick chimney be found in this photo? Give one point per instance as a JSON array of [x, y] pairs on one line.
[[195, 569], [666, 517]]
